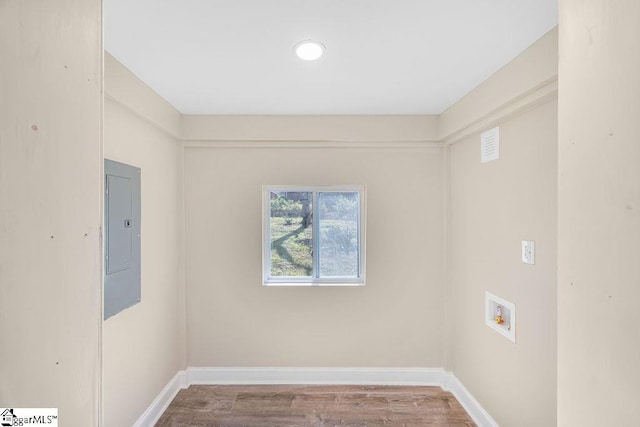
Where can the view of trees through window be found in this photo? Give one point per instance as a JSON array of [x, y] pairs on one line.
[[291, 231]]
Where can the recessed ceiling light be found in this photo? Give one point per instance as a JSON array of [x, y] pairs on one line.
[[309, 50]]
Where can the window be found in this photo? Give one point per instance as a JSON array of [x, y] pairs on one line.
[[313, 235]]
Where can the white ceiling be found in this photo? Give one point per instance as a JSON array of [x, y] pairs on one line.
[[382, 57]]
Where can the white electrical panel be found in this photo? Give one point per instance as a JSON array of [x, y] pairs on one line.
[[122, 237]]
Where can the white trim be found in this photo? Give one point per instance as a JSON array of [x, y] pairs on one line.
[[469, 403], [434, 377], [162, 401], [344, 376]]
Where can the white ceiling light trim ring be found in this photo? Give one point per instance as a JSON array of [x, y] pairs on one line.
[[309, 50]]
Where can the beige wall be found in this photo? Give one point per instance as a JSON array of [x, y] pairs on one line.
[[493, 207], [141, 344], [364, 129], [396, 320], [529, 78], [50, 206], [599, 222], [50, 161]]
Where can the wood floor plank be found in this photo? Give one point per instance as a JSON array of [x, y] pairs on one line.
[[317, 406]]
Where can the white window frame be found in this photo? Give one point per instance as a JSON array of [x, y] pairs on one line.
[[314, 280]]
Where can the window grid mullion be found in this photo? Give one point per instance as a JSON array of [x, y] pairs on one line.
[[316, 235], [359, 231]]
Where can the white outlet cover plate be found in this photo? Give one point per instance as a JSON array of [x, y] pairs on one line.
[[528, 251]]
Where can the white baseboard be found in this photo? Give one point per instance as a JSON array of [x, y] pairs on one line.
[[346, 376], [162, 401], [469, 403]]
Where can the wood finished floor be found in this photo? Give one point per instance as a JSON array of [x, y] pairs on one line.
[[208, 406]]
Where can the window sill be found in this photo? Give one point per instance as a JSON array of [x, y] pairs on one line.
[[313, 284]]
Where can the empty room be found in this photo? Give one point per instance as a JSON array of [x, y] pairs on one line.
[[319, 213]]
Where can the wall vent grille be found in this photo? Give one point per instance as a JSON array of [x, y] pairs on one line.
[[490, 145]]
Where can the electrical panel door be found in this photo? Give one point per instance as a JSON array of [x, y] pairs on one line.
[[122, 237]]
